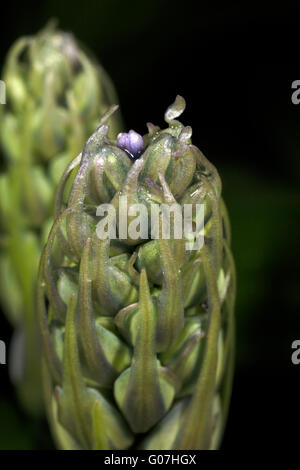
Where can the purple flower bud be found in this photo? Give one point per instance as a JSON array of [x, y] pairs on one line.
[[132, 142]]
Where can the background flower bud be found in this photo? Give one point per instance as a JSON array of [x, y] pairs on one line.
[[56, 96]]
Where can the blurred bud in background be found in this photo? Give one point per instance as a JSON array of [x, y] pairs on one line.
[[55, 96]]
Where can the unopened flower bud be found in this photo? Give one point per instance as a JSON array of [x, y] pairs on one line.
[[132, 142]]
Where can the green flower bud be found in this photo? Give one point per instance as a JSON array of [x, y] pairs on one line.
[[135, 317], [56, 95], [108, 173]]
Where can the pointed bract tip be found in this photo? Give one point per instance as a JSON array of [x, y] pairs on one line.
[[108, 113], [175, 109]]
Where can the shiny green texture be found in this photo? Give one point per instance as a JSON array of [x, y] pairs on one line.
[[137, 333], [56, 95]]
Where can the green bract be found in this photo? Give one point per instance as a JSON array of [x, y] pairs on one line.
[[55, 95], [137, 333]]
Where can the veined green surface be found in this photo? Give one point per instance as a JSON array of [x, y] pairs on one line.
[[138, 335]]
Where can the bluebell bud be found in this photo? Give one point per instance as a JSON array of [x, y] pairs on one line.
[[132, 142]]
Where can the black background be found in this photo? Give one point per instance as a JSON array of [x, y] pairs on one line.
[[234, 64]]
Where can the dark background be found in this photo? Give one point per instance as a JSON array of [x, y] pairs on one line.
[[234, 64]]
